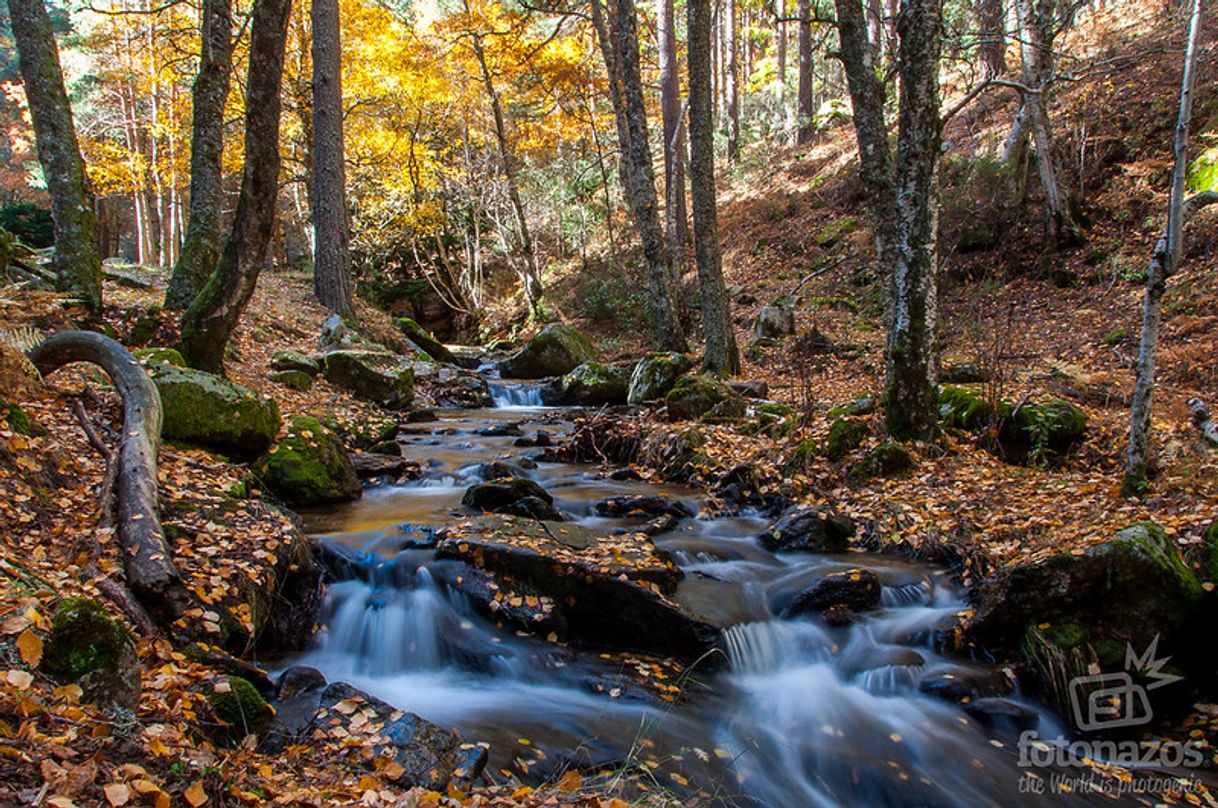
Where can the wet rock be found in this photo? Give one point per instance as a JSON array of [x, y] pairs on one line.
[[368, 465], [499, 470], [1003, 714], [838, 615], [610, 591], [297, 695], [519, 496], [811, 529], [421, 415], [959, 685], [210, 411], [856, 589], [659, 525], [362, 432], [500, 431], [751, 388], [964, 373], [556, 350], [593, 384], [621, 475], [294, 360], [642, 506], [654, 376], [377, 376], [88, 647], [293, 380], [774, 322], [694, 396], [460, 388], [309, 466], [1139, 569], [389, 447]]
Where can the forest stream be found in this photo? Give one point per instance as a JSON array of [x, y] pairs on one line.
[[803, 714]]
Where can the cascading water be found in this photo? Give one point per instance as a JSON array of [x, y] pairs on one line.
[[804, 714], [516, 395]]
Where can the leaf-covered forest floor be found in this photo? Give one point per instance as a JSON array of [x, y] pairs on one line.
[[1066, 326]]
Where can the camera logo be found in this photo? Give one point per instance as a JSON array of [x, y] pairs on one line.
[[1113, 700]]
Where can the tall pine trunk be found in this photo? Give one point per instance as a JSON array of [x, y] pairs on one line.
[[331, 233], [731, 36], [77, 260], [804, 91], [676, 218], [721, 354], [1163, 263], [201, 248], [210, 321]]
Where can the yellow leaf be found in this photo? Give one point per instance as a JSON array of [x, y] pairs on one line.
[[571, 782], [30, 646], [521, 792], [117, 794], [195, 795]]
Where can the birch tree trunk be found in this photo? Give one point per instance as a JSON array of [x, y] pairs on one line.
[[721, 354], [331, 232], [210, 321], [77, 261], [1163, 263], [201, 248]]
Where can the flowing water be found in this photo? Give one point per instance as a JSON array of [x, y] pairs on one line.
[[803, 715]]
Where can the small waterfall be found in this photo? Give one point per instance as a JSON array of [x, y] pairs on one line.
[[917, 593], [889, 680], [760, 647], [516, 396]]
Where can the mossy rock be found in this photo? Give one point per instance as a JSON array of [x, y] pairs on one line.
[[556, 350], [801, 456], [964, 373], [964, 409], [309, 466], [89, 647], [654, 376], [237, 703], [886, 460], [163, 356], [293, 379], [376, 376], [363, 432], [19, 420], [835, 231], [425, 342], [845, 435], [207, 410], [593, 384], [1052, 426], [775, 408], [697, 395], [295, 360]]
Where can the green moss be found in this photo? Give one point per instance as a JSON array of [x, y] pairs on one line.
[[293, 379], [964, 409], [164, 356], [835, 231], [294, 360], [19, 420], [556, 350], [83, 639], [376, 376], [845, 435], [886, 460], [1067, 635], [775, 408], [308, 466], [654, 376], [594, 383], [1211, 550], [804, 451], [837, 303], [424, 340], [1148, 542], [363, 432], [695, 395], [203, 409], [241, 707], [1114, 337], [1053, 425]]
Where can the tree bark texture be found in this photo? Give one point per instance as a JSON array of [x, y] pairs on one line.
[[77, 261], [731, 36], [804, 91], [992, 49], [210, 321], [676, 217]]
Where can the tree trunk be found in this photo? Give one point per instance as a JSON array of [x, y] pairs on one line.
[[211, 319], [780, 91], [732, 47], [77, 261], [910, 389], [676, 218], [201, 249], [805, 108], [721, 354], [331, 234], [620, 48], [992, 49], [1163, 263], [147, 559]]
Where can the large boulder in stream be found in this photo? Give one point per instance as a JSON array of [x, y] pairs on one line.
[[592, 384], [210, 411], [855, 589], [810, 529], [309, 466], [377, 376], [654, 376], [557, 350], [613, 591], [518, 496]]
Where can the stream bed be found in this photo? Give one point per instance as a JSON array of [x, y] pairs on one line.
[[801, 714]]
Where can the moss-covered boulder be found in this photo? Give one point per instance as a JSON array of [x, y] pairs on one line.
[[964, 409], [845, 435], [593, 384], [293, 379], [164, 356], [19, 420], [556, 350], [886, 460], [88, 647], [362, 432], [1130, 588], [696, 395], [809, 529], [210, 411], [425, 342], [654, 376], [309, 466], [1053, 425], [240, 707], [375, 376], [295, 360]]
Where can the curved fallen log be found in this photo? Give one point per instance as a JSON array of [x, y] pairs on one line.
[[147, 560]]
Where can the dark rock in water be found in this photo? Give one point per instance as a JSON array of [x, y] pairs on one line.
[[368, 465], [541, 439], [452, 387], [621, 475], [296, 698], [431, 757], [534, 508], [556, 350], [661, 524], [964, 373], [500, 431], [388, 447], [608, 591], [751, 388], [496, 597], [625, 506], [1139, 569], [1003, 714], [857, 589], [421, 416], [496, 495], [499, 470], [809, 528], [838, 615], [963, 685]]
